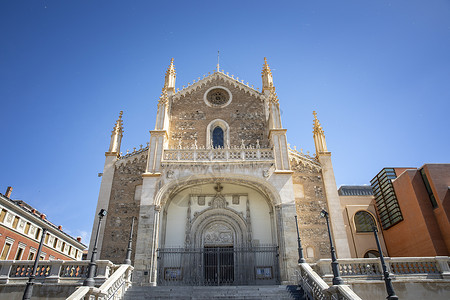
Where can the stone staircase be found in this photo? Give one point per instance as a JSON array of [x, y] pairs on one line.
[[214, 292]]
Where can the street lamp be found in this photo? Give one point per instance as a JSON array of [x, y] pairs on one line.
[[89, 281], [387, 278], [29, 289], [130, 243], [300, 249], [334, 264]]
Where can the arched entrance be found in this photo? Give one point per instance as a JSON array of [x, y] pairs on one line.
[[226, 237]]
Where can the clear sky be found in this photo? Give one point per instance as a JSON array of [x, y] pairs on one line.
[[377, 73]]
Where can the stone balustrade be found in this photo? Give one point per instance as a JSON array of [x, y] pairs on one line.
[[53, 271], [370, 268], [314, 287], [113, 288], [218, 154]]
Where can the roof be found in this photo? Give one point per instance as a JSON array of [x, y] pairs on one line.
[[355, 190], [32, 212]]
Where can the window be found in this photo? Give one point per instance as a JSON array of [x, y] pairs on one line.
[[38, 232], [386, 201], [217, 137], [5, 251], [63, 246], [428, 187], [55, 242], [47, 236], [27, 228], [31, 255], [364, 221], [15, 222], [372, 254], [217, 134], [19, 254], [2, 215]]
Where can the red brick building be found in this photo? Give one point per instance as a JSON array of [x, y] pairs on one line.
[[21, 228], [413, 206]]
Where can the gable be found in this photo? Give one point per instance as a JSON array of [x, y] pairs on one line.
[[218, 99]]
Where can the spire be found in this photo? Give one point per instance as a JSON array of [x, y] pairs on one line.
[[116, 136], [319, 136], [267, 78], [169, 81]]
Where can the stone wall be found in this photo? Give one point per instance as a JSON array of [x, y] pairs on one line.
[[122, 208], [245, 115], [310, 200]]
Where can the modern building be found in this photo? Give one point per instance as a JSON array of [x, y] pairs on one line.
[[215, 192], [413, 206], [360, 215], [21, 228]]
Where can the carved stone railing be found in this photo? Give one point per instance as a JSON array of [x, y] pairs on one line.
[[218, 154], [113, 288], [53, 271], [370, 268], [314, 287]]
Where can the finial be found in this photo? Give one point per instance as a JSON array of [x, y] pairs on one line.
[[319, 136], [267, 78], [169, 80], [218, 61]]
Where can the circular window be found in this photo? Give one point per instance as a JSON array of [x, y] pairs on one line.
[[217, 96]]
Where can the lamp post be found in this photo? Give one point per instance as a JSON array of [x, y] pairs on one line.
[[334, 264], [130, 242], [29, 289], [301, 259], [89, 281], [387, 278]]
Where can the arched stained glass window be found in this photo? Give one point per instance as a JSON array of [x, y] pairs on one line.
[[217, 137], [364, 221]]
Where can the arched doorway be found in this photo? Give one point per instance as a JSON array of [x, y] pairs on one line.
[[214, 234]]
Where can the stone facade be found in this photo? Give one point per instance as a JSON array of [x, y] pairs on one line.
[[217, 168]]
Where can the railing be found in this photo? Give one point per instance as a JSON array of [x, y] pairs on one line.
[[218, 266], [113, 288], [53, 271], [314, 287], [218, 154], [370, 268]]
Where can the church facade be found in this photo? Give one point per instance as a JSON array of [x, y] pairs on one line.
[[215, 193]]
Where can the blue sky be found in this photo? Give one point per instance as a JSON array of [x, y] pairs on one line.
[[377, 73]]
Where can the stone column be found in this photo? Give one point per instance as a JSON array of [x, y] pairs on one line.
[[148, 234], [334, 207], [103, 201]]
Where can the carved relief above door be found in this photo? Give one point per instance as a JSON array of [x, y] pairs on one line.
[[218, 234]]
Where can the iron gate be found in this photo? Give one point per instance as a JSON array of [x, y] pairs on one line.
[[218, 265]]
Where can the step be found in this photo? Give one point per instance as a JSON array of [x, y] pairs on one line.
[[213, 292]]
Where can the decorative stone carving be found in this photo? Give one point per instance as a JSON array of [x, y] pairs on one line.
[[218, 202], [218, 234], [201, 200], [235, 199]]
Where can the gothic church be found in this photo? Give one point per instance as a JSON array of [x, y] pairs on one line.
[[215, 193]]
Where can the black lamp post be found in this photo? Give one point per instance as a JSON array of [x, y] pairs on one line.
[[301, 259], [334, 264], [130, 242], [387, 278], [29, 289], [89, 281]]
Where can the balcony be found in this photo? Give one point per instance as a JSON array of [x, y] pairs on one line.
[[218, 155]]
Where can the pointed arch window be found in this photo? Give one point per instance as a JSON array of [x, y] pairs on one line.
[[217, 138]]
